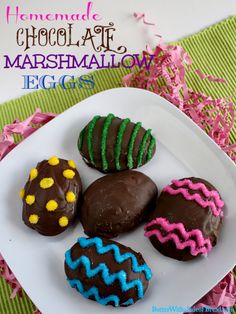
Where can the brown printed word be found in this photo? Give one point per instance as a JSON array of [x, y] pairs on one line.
[[100, 37]]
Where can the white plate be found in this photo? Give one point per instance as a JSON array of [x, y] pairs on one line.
[[183, 150]]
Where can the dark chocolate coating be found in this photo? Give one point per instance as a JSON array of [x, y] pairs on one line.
[[117, 203], [108, 259], [48, 223], [110, 146], [176, 209]]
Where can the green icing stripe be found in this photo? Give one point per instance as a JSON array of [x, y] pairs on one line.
[[142, 147], [150, 148], [118, 143], [105, 129], [81, 139], [136, 129], [91, 127]]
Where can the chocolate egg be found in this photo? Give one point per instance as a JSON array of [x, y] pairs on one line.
[[51, 195], [107, 272], [111, 144], [117, 203], [187, 219]]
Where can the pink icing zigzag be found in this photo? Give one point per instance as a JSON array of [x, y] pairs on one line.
[[200, 246], [216, 205], [202, 187]]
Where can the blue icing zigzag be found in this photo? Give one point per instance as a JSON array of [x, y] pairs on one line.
[[93, 291], [120, 258], [106, 276]]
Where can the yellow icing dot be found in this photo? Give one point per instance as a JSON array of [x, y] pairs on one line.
[[63, 221], [46, 183], [70, 197], [51, 205], [72, 164], [68, 174], [53, 161], [30, 199], [33, 174], [33, 219], [22, 193]]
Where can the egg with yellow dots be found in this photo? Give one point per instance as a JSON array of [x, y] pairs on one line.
[[51, 196]]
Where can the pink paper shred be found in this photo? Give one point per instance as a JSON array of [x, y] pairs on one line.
[[141, 16], [167, 78], [209, 77], [24, 128], [223, 295], [7, 274]]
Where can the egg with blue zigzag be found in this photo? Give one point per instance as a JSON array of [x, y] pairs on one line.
[[107, 271]]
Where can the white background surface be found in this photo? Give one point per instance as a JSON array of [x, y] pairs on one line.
[[38, 261], [174, 19]]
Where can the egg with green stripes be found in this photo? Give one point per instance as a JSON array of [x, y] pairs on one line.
[[111, 144]]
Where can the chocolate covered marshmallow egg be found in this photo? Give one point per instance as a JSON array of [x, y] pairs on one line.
[[117, 203], [51, 196], [187, 219], [111, 144], [107, 272]]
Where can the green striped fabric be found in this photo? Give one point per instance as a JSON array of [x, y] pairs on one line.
[[14, 306], [213, 51]]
